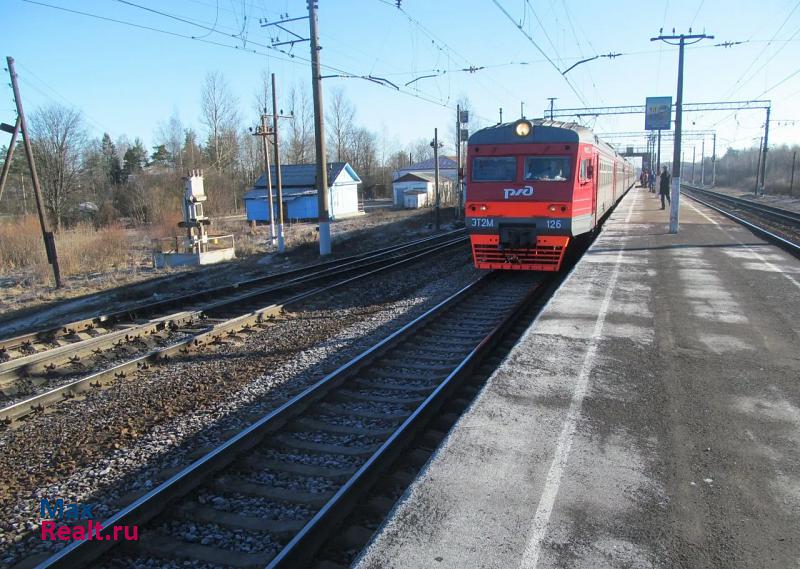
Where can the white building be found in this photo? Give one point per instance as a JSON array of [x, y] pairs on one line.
[[421, 176]]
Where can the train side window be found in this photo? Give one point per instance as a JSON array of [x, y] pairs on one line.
[[494, 169]]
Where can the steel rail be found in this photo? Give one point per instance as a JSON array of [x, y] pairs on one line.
[[63, 355], [128, 313], [213, 334], [302, 546], [790, 246], [780, 213]]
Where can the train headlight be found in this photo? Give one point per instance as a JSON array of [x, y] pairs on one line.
[[483, 207], [552, 207], [522, 128]]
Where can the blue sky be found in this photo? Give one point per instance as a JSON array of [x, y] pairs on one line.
[[126, 80]]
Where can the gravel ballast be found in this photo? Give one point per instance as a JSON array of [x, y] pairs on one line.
[[113, 445]]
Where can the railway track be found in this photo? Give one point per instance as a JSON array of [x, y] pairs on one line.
[[31, 382], [273, 493], [780, 226]]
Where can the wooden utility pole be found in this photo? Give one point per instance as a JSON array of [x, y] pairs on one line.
[[319, 134], [263, 132], [10, 154], [49, 239], [675, 190]]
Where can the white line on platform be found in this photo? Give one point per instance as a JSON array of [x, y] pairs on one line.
[[772, 267], [530, 556]]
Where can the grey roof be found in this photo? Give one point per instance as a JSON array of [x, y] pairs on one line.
[[415, 175], [543, 131], [430, 164], [302, 175]]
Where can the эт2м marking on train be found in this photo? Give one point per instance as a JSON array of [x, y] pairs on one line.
[[533, 186]]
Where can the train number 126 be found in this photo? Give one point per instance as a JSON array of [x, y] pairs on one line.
[[553, 224]]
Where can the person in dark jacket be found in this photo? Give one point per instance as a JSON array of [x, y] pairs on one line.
[[663, 186]]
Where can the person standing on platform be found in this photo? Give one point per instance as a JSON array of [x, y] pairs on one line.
[[663, 186], [651, 181]]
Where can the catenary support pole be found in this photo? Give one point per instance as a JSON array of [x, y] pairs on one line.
[[764, 154], [319, 135], [436, 173], [458, 161], [714, 161], [49, 239], [791, 183], [694, 157], [703, 163], [675, 190], [758, 164], [278, 173]]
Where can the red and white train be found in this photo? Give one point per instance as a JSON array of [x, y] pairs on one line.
[[534, 185]]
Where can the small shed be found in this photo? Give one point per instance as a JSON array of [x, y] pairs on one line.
[[300, 194], [415, 199], [414, 183]]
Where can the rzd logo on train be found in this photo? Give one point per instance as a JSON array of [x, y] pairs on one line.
[[527, 191]]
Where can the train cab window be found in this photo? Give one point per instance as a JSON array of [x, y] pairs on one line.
[[547, 168], [586, 169], [494, 169]]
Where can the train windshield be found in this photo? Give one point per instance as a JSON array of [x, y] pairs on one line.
[[494, 168], [547, 168]]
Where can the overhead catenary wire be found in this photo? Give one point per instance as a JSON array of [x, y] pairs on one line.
[[292, 58], [540, 50]]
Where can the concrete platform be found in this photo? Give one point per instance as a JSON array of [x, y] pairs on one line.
[[649, 418]]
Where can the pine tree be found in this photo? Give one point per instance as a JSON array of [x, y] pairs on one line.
[[135, 159], [161, 155], [110, 158]]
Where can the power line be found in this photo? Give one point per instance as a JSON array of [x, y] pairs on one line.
[[294, 59], [536, 45]]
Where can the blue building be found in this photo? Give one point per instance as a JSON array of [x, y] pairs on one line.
[[300, 194]]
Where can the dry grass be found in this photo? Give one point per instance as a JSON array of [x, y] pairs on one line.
[[81, 250]]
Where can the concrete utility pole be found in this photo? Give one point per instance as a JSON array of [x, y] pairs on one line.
[[278, 175], [319, 134], [703, 163], [791, 183], [675, 191], [436, 145], [458, 159], [10, 154], [714, 161], [658, 156], [758, 164], [764, 154], [263, 132], [694, 157], [49, 239]]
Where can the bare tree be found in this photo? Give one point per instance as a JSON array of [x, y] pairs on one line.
[[220, 115], [299, 146], [59, 138], [339, 123], [170, 134]]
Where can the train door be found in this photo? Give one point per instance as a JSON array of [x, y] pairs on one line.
[[595, 187]]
